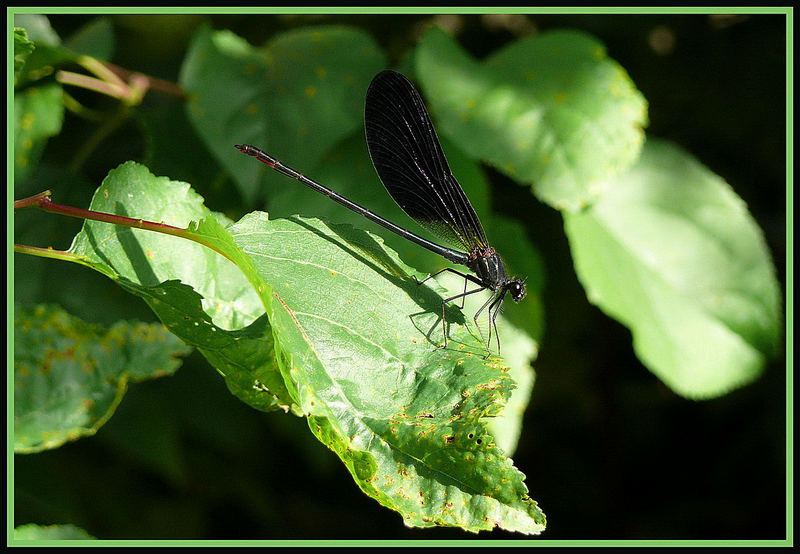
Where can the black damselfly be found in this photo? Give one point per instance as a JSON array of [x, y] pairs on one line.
[[406, 153]]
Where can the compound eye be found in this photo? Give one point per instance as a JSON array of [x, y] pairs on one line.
[[517, 289]]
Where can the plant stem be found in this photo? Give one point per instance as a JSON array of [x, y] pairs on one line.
[[115, 90], [79, 109], [48, 252], [44, 202], [100, 69]]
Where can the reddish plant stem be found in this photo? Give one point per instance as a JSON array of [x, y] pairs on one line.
[[44, 202]]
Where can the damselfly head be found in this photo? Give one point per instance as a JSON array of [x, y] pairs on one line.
[[517, 289]]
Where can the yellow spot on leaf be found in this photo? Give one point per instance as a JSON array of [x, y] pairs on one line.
[[321, 72], [310, 91], [27, 121], [252, 109], [560, 98]]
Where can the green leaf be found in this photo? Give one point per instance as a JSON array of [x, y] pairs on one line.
[[70, 376], [408, 420], [22, 47], [38, 115], [95, 39], [205, 299], [297, 96], [348, 170], [34, 532], [671, 252], [150, 259], [551, 111], [519, 350], [348, 328]]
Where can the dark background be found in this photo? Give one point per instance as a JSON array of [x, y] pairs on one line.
[[609, 452]]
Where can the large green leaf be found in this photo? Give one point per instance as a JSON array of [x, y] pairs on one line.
[[70, 376], [205, 299], [671, 252], [348, 170], [297, 96], [407, 419], [351, 333], [551, 111]]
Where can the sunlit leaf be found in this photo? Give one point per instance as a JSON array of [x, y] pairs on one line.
[[551, 111], [672, 252], [354, 338], [200, 296]]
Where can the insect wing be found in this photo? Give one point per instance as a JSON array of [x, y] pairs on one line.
[[411, 164]]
